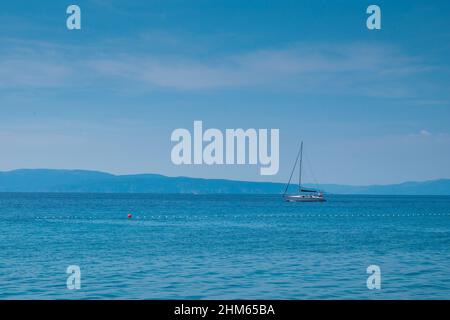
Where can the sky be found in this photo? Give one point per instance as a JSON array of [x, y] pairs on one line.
[[372, 106]]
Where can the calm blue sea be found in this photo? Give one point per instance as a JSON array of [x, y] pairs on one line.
[[223, 246]]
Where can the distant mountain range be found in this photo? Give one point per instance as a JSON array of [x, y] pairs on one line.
[[45, 180]]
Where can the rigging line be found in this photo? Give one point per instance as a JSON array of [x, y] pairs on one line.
[[292, 173], [311, 169]]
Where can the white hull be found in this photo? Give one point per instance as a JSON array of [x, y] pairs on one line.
[[304, 198]]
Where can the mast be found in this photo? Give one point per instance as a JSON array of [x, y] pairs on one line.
[[293, 169], [300, 171]]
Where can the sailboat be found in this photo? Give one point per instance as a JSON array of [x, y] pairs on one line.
[[304, 194]]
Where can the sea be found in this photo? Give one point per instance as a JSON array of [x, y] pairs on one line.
[[223, 247]]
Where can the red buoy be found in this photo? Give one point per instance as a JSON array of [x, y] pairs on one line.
[[130, 216]]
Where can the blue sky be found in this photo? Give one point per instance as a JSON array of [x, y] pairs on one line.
[[373, 107]]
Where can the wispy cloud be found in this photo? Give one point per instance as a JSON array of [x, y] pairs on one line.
[[18, 72], [368, 69], [424, 132], [33, 64]]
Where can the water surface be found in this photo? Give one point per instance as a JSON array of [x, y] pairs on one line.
[[223, 246]]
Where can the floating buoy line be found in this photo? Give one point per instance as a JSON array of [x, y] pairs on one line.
[[246, 216]]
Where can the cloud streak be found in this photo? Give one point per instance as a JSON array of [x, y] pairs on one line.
[[301, 67], [346, 68]]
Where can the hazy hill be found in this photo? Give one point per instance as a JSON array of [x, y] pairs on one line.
[[44, 180]]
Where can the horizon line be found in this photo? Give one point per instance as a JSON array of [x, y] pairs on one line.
[[223, 179]]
